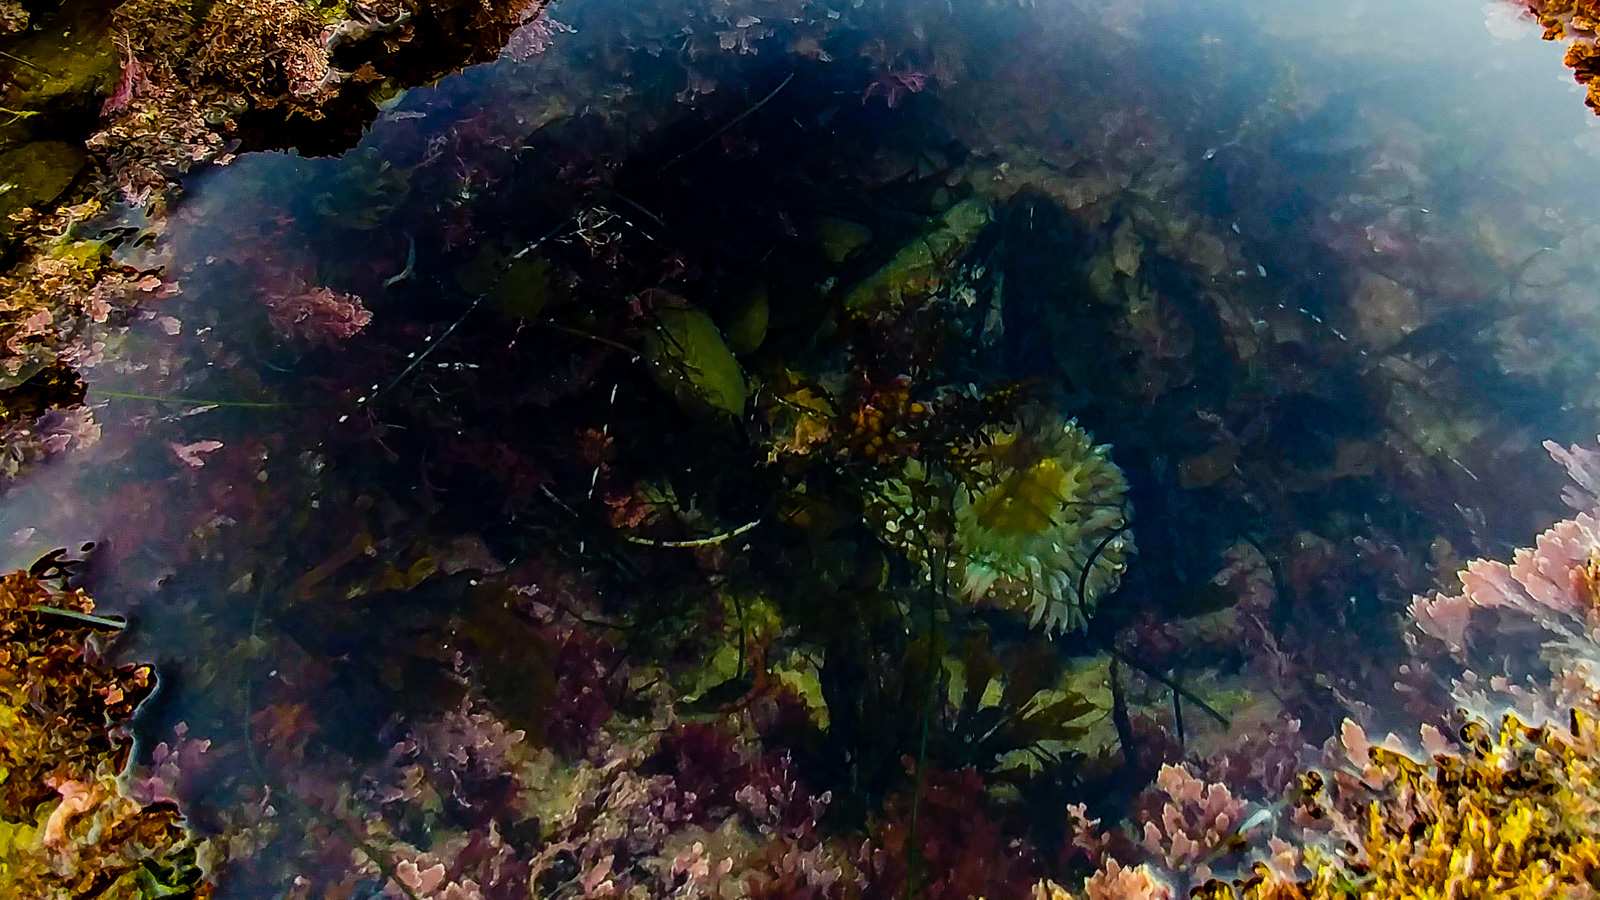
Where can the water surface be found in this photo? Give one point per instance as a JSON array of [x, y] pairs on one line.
[[1321, 277]]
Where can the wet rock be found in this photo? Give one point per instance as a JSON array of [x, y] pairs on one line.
[[1384, 311], [1206, 469], [58, 73], [1126, 250], [32, 175]]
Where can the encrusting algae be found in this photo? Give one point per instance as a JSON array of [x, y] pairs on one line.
[[1513, 814]]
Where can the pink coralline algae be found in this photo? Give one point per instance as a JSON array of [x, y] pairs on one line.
[[1264, 761], [535, 37], [1196, 821], [1553, 582], [172, 770], [193, 455], [61, 430], [1583, 467], [1116, 882], [1186, 826], [319, 315], [53, 433], [1547, 593], [589, 675], [893, 86]]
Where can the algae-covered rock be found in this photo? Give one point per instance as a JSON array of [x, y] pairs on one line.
[[35, 174], [747, 326], [1126, 249], [917, 270], [689, 358], [69, 63]]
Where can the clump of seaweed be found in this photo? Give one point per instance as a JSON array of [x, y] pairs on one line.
[[1040, 520], [67, 828], [1501, 811], [918, 270], [1576, 22]]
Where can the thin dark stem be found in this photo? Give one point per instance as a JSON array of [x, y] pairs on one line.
[[695, 543], [431, 347], [1177, 717], [615, 345], [1088, 565], [83, 618], [738, 606], [731, 123], [23, 62], [938, 588], [1120, 718], [190, 401], [1170, 682]]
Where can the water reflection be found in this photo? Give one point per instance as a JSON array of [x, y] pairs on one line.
[[561, 403]]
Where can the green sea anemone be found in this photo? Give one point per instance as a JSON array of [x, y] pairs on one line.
[[1040, 521]]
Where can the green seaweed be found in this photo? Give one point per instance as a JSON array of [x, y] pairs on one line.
[[920, 267], [690, 359], [746, 327]]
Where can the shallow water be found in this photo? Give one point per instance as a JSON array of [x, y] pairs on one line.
[[1321, 277]]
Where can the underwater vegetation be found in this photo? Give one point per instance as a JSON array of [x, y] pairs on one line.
[[1041, 520], [68, 826], [676, 460], [1502, 804], [916, 271], [109, 105], [700, 809]]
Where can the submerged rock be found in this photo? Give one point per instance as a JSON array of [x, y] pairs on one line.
[[35, 174], [63, 68]]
